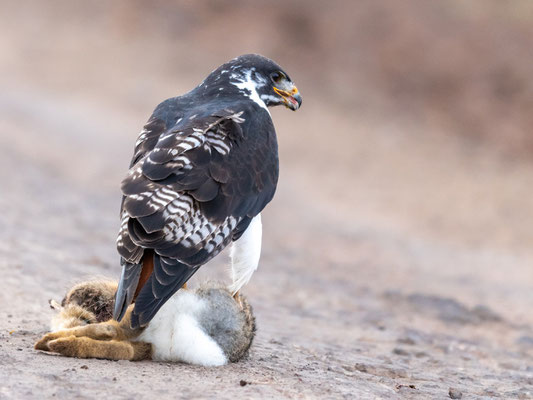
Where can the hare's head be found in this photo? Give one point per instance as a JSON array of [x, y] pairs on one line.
[[85, 303], [70, 316], [96, 296]]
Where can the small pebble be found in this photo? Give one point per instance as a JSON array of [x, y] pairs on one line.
[[243, 383], [400, 352], [359, 367], [455, 393], [406, 340], [84, 367]]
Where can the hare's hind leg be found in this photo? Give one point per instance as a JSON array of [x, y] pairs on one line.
[[109, 330], [85, 347], [101, 331]]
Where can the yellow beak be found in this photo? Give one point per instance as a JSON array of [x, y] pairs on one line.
[[291, 97]]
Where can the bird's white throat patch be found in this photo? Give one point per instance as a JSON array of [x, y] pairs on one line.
[[246, 82]]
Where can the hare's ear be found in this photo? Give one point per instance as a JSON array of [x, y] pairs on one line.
[[54, 305]]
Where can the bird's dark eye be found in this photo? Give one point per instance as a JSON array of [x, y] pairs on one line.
[[277, 77]]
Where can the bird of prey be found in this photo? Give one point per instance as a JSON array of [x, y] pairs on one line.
[[204, 167]]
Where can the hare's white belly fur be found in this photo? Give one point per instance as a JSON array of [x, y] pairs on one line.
[[176, 334]]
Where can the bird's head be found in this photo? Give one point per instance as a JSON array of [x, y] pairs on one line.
[[262, 80], [285, 91]]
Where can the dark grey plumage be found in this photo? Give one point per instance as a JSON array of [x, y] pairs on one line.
[[204, 165]]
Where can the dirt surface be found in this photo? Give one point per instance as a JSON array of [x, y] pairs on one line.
[[397, 261]]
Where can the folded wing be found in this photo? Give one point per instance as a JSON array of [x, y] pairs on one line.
[[191, 190]]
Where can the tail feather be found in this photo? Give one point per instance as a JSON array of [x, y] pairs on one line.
[[126, 288], [168, 277]]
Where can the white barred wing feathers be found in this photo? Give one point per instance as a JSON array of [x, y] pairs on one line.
[[164, 190]]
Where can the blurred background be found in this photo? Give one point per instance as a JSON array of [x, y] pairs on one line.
[[408, 168]]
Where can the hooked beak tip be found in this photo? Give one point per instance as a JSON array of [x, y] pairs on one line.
[[295, 101]]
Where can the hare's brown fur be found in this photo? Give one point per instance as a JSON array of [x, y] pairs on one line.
[[97, 297]]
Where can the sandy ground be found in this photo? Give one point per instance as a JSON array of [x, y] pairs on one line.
[[397, 263], [364, 289]]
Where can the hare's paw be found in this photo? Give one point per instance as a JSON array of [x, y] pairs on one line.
[[85, 347], [42, 344], [66, 346], [101, 331]]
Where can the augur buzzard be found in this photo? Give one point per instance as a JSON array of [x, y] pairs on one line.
[[204, 166]]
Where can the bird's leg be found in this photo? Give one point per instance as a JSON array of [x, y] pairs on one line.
[[237, 298], [245, 254]]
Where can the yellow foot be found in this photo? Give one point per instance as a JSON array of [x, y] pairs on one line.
[[237, 297]]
